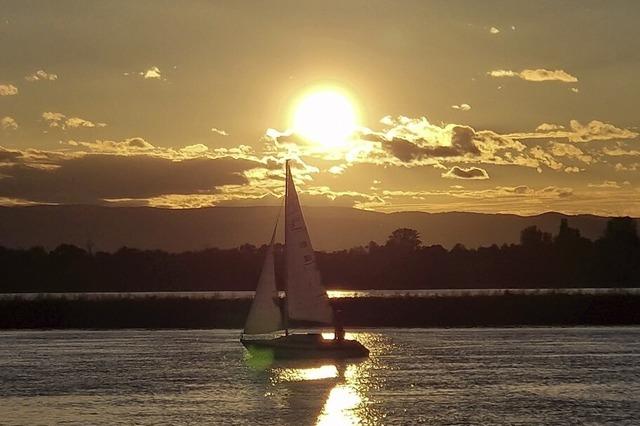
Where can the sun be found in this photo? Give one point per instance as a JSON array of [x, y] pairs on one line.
[[326, 117]]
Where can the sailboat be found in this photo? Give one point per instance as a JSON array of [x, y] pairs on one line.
[[306, 304]]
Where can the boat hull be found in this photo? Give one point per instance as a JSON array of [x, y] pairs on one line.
[[306, 346]]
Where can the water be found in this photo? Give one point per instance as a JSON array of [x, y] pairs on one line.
[[434, 376], [330, 293]]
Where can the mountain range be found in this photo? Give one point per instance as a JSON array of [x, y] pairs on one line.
[[331, 228]]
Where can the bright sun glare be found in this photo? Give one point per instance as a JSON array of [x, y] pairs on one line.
[[326, 117]]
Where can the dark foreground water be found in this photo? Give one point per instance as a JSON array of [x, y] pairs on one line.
[[435, 376]]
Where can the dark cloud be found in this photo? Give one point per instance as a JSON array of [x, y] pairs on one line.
[[138, 143], [558, 192], [92, 178], [291, 138], [521, 189], [463, 139], [461, 173], [7, 155], [407, 151], [462, 143]]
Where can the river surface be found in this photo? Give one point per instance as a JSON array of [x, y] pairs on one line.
[[331, 293], [434, 376]]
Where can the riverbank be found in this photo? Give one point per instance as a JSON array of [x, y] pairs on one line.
[[444, 311], [334, 294]]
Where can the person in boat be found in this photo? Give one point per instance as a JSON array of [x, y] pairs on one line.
[[338, 333]]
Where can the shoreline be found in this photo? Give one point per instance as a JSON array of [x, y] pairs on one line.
[[331, 293], [507, 310]]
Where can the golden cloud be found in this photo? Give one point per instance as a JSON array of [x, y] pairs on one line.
[[61, 121], [41, 75], [594, 130], [462, 107], [536, 75], [8, 123], [8, 90]]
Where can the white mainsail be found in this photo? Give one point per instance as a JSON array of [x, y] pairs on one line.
[[307, 300], [264, 315]]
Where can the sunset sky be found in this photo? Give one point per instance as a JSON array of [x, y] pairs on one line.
[[493, 106]]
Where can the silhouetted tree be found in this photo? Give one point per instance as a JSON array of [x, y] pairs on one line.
[[572, 253], [622, 232], [567, 236], [618, 252], [404, 238], [403, 262], [533, 237]]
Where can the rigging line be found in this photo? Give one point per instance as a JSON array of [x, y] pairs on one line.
[[275, 228]]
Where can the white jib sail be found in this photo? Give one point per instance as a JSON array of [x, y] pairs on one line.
[[306, 296], [264, 315]]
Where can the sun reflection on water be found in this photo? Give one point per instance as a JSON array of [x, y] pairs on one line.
[[333, 392], [329, 335], [304, 374], [341, 407]]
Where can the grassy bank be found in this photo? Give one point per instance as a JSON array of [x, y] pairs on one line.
[[457, 311]]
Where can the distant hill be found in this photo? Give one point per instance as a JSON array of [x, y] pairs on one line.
[[110, 228]]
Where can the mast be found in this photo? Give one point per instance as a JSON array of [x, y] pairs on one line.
[[285, 313]]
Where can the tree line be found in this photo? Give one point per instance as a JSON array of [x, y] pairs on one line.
[[540, 260]]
